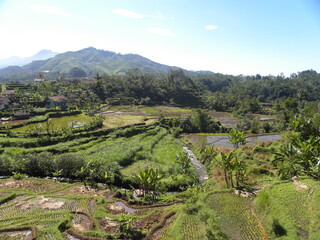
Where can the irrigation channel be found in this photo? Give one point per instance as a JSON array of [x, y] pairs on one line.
[[200, 168]]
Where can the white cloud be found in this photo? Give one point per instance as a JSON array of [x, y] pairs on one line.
[[50, 9], [210, 27], [161, 31], [127, 13], [159, 16]]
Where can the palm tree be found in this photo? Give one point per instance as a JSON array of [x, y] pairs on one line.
[[148, 180], [237, 138], [225, 163], [142, 178], [287, 161], [184, 162], [239, 167], [208, 153]]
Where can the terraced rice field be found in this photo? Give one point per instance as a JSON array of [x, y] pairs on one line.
[[236, 217], [55, 210]]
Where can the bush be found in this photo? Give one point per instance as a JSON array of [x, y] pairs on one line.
[[70, 164], [19, 164], [19, 176], [5, 166], [39, 165]]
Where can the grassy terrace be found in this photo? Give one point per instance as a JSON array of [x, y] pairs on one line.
[[131, 148], [56, 123], [156, 110], [112, 121], [280, 210]]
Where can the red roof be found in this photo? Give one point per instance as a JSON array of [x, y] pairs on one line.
[[58, 99], [21, 113], [4, 99], [9, 92]]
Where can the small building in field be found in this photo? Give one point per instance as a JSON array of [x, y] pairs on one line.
[[9, 93], [22, 114], [60, 102], [4, 101], [39, 80]]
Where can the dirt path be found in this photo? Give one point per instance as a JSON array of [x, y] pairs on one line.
[[299, 185]]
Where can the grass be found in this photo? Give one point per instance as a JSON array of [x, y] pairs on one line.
[[236, 219], [166, 151], [155, 111], [186, 227], [289, 213], [152, 148], [138, 166], [133, 148], [112, 121], [57, 123]]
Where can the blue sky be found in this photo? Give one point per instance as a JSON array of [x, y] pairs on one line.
[[227, 36]]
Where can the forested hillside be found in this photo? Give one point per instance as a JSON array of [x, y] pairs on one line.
[[90, 61]]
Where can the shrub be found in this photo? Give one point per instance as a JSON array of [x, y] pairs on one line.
[[19, 176], [5, 166], [39, 165], [70, 164], [19, 164]]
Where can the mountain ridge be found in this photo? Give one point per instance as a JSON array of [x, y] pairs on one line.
[[92, 61], [18, 61]]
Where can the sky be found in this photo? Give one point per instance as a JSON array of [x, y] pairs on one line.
[[236, 37]]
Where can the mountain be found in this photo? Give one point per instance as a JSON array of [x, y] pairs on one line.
[[17, 61], [92, 61]]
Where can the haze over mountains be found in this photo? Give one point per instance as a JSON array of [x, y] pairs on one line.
[[17, 61], [90, 60]]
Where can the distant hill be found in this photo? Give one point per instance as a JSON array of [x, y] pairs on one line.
[[92, 61], [17, 61]]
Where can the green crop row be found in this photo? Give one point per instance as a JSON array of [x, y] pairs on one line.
[[289, 211]]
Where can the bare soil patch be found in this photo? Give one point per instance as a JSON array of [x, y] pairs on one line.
[[156, 232], [12, 122], [92, 205], [115, 208], [79, 190], [18, 235], [36, 186], [82, 222], [16, 199], [41, 202], [108, 225], [148, 222], [299, 185]]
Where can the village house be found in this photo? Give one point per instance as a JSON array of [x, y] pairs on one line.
[[60, 102], [8, 93], [38, 80], [22, 114], [4, 101]]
